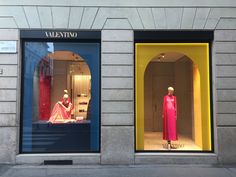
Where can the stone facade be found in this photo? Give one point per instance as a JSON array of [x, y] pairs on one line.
[[117, 20], [9, 91]]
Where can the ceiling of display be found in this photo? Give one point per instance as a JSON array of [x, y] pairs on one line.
[[77, 64], [168, 57], [65, 56]]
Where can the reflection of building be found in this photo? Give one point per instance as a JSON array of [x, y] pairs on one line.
[[32, 58], [116, 108]]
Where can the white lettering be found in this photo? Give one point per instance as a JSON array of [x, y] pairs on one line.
[[61, 34], [74, 35], [57, 35]]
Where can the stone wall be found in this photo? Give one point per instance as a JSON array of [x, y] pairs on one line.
[[224, 61], [118, 20], [9, 88], [48, 15], [117, 110]]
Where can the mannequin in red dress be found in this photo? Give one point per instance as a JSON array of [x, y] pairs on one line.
[[169, 117]]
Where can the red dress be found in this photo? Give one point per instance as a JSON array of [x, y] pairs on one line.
[[44, 97], [169, 118]]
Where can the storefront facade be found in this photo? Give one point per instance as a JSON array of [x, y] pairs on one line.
[[115, 63]]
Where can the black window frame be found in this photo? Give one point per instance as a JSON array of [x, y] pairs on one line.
[[177, 36]]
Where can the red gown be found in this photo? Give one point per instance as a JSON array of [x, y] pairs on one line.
[[169, 118], [44, 97]]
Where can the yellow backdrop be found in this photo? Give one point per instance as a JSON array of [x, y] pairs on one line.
[[199, 54]]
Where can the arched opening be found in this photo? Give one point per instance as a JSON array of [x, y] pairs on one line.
[[58, 71], [179, 71]]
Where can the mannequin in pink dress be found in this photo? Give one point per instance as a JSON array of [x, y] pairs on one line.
[[169, 117], [61, 112]]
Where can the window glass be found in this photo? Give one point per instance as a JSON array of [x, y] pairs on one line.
[[60, 84], [173, 110]]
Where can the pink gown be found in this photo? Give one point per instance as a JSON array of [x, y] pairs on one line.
[[59, 113], [169, 116]]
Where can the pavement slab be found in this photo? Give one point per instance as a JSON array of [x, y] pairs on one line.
[[117, 171]]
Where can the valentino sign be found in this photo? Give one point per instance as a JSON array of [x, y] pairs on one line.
[[63, 34]]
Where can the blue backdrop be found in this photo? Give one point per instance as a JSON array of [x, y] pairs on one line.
[[34, 52]]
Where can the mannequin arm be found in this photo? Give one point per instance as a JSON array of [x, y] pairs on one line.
[[163, 108], [67, 109], [176, 108]]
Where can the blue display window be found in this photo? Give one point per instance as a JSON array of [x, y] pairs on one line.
[[60, 102]]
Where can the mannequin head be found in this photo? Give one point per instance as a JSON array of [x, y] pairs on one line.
[[65, 97], [170, 90]]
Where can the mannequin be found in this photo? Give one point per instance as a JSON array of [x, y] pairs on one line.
[[169, 116], [61, 112]]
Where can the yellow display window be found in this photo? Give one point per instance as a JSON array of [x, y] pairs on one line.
[[185, 67]]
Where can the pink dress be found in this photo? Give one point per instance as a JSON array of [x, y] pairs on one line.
[[169, 116], [59, 112]]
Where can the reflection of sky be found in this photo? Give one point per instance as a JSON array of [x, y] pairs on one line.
[[50, 47]]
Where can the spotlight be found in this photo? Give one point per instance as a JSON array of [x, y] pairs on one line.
[[162, 55]]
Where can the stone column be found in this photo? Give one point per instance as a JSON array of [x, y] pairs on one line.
[[225, 71], [117, 109], [8, 100]]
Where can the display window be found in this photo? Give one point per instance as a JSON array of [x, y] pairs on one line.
[[60, 109], [173, 97]]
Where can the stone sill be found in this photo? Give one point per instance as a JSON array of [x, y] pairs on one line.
[[77, 158], [176, 158]]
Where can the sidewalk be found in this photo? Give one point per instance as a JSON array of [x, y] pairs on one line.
[[118, 171]]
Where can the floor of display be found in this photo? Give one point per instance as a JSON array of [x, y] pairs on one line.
[[153, 141]]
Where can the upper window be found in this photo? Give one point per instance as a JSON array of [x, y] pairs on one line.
[[60, 96]]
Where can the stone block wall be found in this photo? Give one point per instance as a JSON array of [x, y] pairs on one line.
[[117, 21], [117, 110], [224, 57], [9, 88]]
